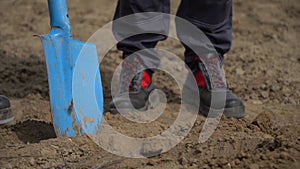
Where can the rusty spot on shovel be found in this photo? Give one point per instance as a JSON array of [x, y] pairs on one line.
[[80, 111], [92, 119], [74, 125], [70, 106], [87, 119], [80, 128], [66, 132]]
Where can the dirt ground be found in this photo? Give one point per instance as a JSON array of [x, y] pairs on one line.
[[262, 68]]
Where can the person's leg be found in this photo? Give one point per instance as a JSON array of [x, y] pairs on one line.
[[214, 19], [141, 41], [136, 75]]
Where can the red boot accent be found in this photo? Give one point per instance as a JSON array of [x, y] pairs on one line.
[[145, 80], [200, 79]]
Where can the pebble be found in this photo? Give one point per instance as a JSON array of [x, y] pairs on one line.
[[284, 155], [237, 162], [264, 94], [222, 162], [239, 71], [286, 89], [292, 101], [31, 161], [275, 88], [263, 157], [228, 166], [183, 161], [257, 102], [243, 155], [253, 166], [263, 87]]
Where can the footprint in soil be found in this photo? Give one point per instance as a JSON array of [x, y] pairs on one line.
[[32, 131]]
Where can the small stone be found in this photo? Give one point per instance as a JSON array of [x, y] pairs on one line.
[[243, 154], [222, 162], [268, 82], [239, 71], [263, 86], [286, 91], [275, 37], [263, 157], [228, 166], [31, 161], [240, 128], [237, 162], [275, 88], [264, 94], [195, 161], [292, 101], [183, 161], [257, 102], [284, 155], [253, 166], [271, 158]]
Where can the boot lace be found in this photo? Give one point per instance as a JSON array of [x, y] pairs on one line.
[[211, 68], [130, 77]]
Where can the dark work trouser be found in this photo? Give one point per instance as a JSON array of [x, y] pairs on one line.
[[212, 17]]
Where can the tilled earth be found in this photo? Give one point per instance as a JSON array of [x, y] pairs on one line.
[[262, 68]]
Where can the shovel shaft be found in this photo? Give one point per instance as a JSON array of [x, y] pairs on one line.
[[59, 17]]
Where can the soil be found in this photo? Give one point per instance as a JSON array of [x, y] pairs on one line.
[[262, 68]]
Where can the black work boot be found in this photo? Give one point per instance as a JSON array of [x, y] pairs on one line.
[[134, 91], [233, 106], [6, 114]]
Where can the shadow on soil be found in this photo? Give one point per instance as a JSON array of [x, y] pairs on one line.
[[32, 131]]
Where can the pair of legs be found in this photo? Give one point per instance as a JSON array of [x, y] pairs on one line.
[[212, 17]]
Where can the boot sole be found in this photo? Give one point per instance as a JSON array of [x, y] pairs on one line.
[[234, 112], [6, 116], [115, 111]]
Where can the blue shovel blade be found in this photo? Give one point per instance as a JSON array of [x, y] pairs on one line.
[[76, 95]]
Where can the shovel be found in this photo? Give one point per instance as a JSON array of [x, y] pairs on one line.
[[76, 97]]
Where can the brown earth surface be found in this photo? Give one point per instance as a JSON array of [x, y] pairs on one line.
[[262, 68]]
